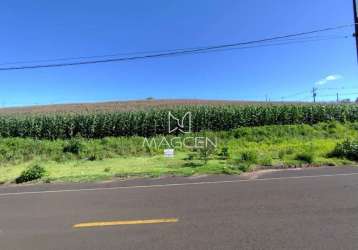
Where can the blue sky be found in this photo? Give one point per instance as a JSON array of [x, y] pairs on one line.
[[41, 29]]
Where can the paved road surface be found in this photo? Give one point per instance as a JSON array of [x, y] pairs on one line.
[[295, 209]]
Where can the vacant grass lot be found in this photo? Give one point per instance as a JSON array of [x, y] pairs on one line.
[[238, 150]]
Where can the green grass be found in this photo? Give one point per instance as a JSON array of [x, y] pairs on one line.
[[84, 171], [82, 160]]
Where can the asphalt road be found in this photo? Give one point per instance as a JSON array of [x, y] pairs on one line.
[[295, 209]]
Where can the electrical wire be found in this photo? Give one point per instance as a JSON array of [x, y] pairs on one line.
[[340, 94], [341, 88], [273, 44], [294, 95], [178, 52], [150, 52]]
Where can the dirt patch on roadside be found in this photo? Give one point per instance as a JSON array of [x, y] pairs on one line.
[[256, 174]]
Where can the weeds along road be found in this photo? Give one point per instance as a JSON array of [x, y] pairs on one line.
[[295, 209]]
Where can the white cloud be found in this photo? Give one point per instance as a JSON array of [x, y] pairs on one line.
[[328, 79]]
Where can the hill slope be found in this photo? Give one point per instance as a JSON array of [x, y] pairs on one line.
[[117, 106]]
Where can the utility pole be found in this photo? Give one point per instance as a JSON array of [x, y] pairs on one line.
[[314, 94], [337, 97], [355, 11]]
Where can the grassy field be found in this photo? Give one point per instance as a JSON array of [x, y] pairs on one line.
[[88, 142], [239, 150]]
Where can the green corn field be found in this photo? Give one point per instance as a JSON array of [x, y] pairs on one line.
[[154, 121]]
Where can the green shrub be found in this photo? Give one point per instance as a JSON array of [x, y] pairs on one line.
[[307, 157], [285, 151], [224, 154], [193, 159], [249, 156], [205, 152], [32, 173], [281, 154], [228, 171], [92, 157], [347, 149], [74, 146], [190, 157], [237, 164], [244, 167], [266, 161]]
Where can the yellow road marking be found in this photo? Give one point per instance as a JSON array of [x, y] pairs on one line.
[[121, 223]]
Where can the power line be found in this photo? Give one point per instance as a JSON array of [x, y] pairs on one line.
[[274, 44], [305, 98], [296, 94], [97, 56], [341, 88], [178, 52], [315, 94], [309, 38], [341, 94], [261, 46]]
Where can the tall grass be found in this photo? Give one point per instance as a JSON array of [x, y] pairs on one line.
[[251, 145]]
